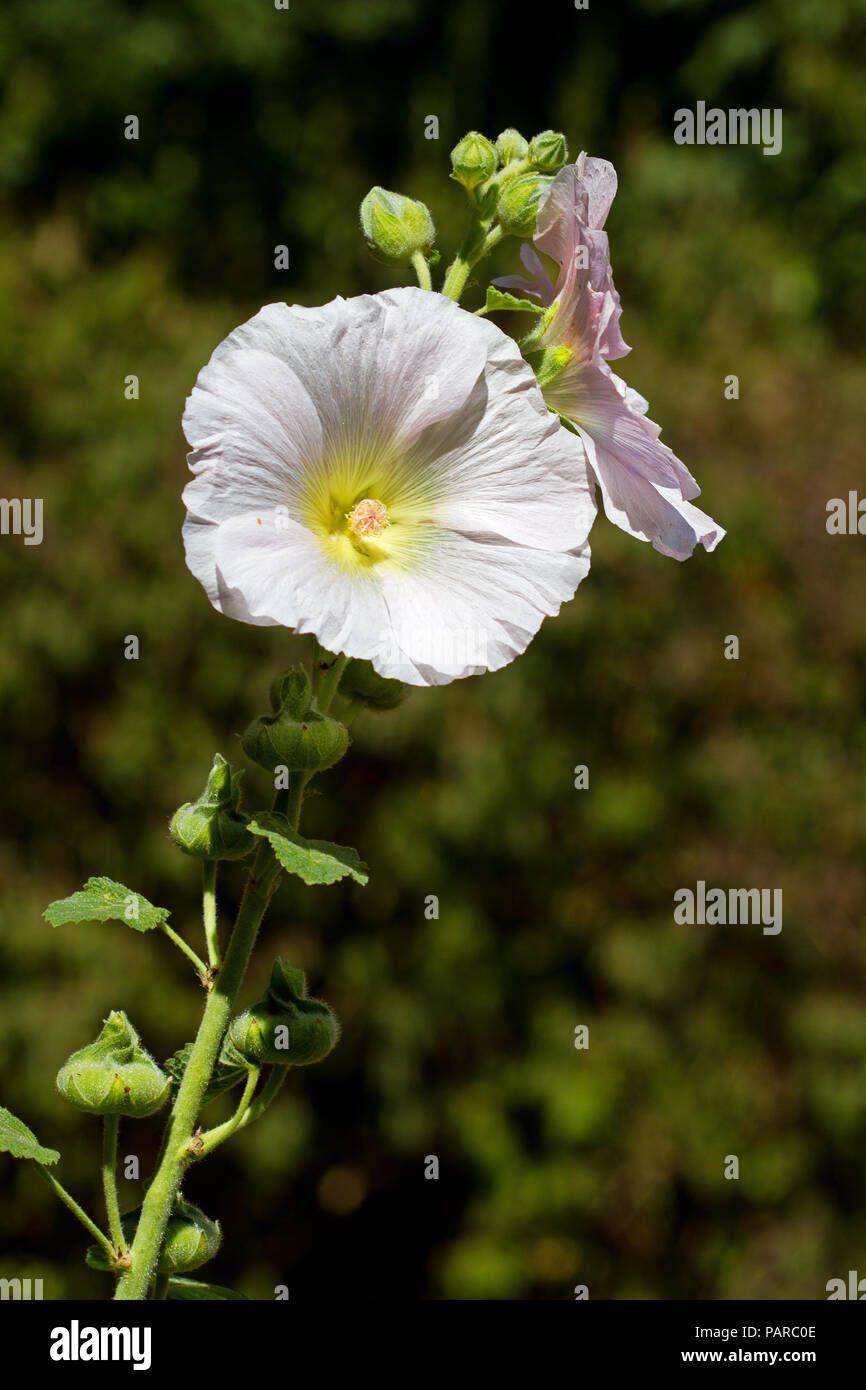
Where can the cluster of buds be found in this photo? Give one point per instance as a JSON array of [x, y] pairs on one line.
[[506, 178], [509, 177]]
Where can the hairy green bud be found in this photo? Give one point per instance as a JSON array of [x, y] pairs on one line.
[[548, 151], [396, 227], [517, 208], [285, 1028], [360, 681], [296, 736], [114, 1075], [191, 1239], [212, 827], [473, 160], [510, 145]]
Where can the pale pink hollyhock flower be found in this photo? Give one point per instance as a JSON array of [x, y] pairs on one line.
[[646, 489], [383, 472]]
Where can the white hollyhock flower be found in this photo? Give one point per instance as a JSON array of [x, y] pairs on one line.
[[383, 472]]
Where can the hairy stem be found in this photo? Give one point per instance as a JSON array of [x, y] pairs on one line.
[[265, 1096], [218, 1135], [422, 270], [187, 950], [328, 683], [209, 911], [110, 1127], [481, 239], [77, 1211]]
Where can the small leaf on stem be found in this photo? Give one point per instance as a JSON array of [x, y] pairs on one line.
[[19, 1141], [315, 861], [103, 900]]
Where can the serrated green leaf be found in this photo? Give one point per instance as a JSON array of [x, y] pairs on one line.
[[103, 900], [501, 299], [231, 1068], [193, 1291], [315, 861], [19, 1141]]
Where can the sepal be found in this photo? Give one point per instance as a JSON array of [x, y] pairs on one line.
[[213, 827], [296, 736], [285, 1028], [114, 1075]]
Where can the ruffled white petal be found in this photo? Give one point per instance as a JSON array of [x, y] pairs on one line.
[[645, 488], [378, 368], [588, 394], [282, 576], [514, 473], [473, 605]]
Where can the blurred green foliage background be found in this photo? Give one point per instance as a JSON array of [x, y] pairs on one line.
[[558, 1166]]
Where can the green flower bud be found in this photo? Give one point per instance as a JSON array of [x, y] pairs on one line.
[[285, 1028], [114, 1075], [473, 160], [548, 151], [291, 694], [191, 1239], [518, 206], [511, 145], [396, 227], [296, 735], [212, 827], [360, 681]]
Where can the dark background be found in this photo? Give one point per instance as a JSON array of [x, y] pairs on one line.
[[558, 1167]]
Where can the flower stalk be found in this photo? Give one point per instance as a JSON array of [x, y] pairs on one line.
[[110, 1126]]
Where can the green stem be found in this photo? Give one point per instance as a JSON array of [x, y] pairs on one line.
[[187, 950], [265, 1096], [160, 1288], [297, 783], [110, 1127], [161, 1194], [218, 1135], [351, 712], [209, 911], [77, 1211], [177, 1152], [481, 239], [319, 654], [422, 270], [329, 681]]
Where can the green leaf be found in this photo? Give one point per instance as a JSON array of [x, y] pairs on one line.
[[19, 1141], [315, 861], [193, 1291], [230, 1069], [501, 299], [103, 900], [96, 1258]]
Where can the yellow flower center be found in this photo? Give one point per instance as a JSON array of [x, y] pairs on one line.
[[371, 509], [369, 517]]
